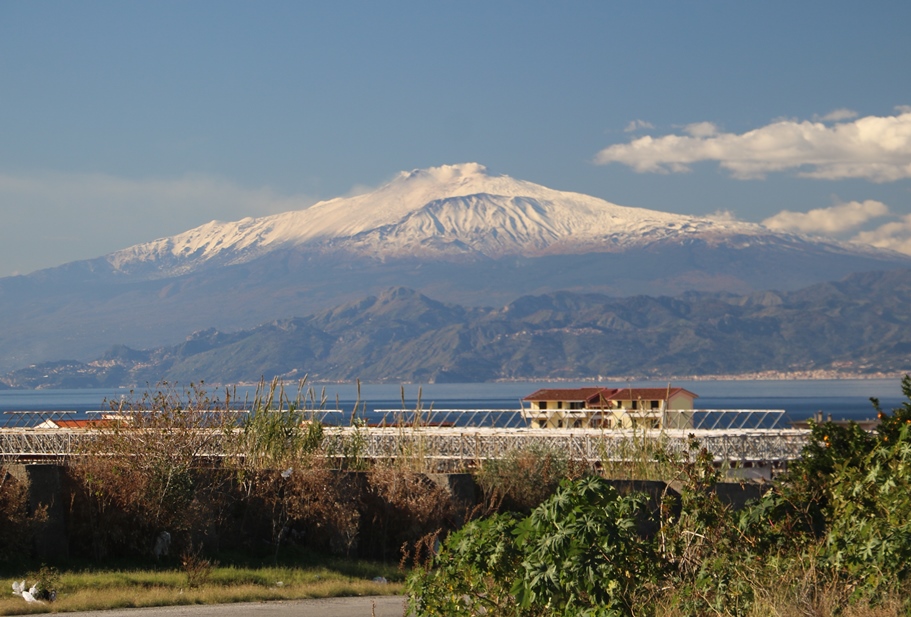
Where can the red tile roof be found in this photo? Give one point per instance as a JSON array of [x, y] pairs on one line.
[[105, 422], [614, 394], [651, 394], [565, 394]]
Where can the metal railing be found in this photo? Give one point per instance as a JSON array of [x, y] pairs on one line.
[[446, 418], [736, 419], [465, 446], [31, 419], [709, 419], [589, 445]]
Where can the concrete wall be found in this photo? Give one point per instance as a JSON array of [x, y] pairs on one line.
[[46, 490]]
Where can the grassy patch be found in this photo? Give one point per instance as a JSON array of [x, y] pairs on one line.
[[86, 590]]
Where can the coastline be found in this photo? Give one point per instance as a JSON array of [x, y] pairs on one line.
[[810, 375]]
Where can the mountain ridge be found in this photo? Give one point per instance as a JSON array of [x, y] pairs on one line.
[[457, 233], [858, 325]]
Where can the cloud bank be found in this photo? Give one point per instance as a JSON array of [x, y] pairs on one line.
[[88, 215], [846, 220], [895, 235], [834, 220], [872, 148]]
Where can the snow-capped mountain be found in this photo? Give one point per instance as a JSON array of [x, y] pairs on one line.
[[448, 212], [456, 233]]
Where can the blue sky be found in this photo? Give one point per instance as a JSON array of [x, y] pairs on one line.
[[123, 122]]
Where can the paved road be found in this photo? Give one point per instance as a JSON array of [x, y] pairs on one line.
[[381, 606]]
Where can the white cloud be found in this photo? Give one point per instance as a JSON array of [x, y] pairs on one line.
[[833, 220], [895, 235], [52, 218], [636, 125], [722, 216], [701, 129], [358, 189], [193, 195], [874, 148], [837, 115]]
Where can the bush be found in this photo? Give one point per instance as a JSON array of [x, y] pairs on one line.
[[576, 553], [845, 506], [524, 478], [581, 551], [276, 434], [869, 514], [472, 574], [702, 547], [276, 458], [144, 472], [319, 507], [197, 568], [401, 507], [17, 522]]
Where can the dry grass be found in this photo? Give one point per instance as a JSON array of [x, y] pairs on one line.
[[87, 591], [888, 608], [800, 590], [826, 601]]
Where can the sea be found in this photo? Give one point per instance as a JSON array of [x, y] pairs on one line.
[[838, 399]]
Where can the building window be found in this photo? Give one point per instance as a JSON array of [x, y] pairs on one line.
[[542, 404], [655, 404], [559, 404]]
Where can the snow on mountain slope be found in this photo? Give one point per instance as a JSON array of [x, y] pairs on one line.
[[440, 212]]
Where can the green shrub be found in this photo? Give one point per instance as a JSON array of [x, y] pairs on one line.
[[581, 553], [869, 536], [472, 574], [577, 553], [702, 549], [846, 503]]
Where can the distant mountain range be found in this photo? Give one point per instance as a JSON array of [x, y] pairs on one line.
[[859, 325], [459, 234]]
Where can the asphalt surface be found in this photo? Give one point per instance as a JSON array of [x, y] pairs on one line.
[[378, 606]]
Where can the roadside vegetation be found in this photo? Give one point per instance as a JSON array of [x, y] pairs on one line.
[[830, 537], [154, 517]]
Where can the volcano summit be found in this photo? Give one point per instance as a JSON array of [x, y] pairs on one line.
[[445, 213]]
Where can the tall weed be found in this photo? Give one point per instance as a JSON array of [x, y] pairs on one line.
[[524, 478], [403, 507], [144, 470], [18, 523]]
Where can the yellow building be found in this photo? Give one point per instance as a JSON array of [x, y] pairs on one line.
[[598, 407]]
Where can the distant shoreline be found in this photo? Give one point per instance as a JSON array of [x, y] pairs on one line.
[[818, 375]]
